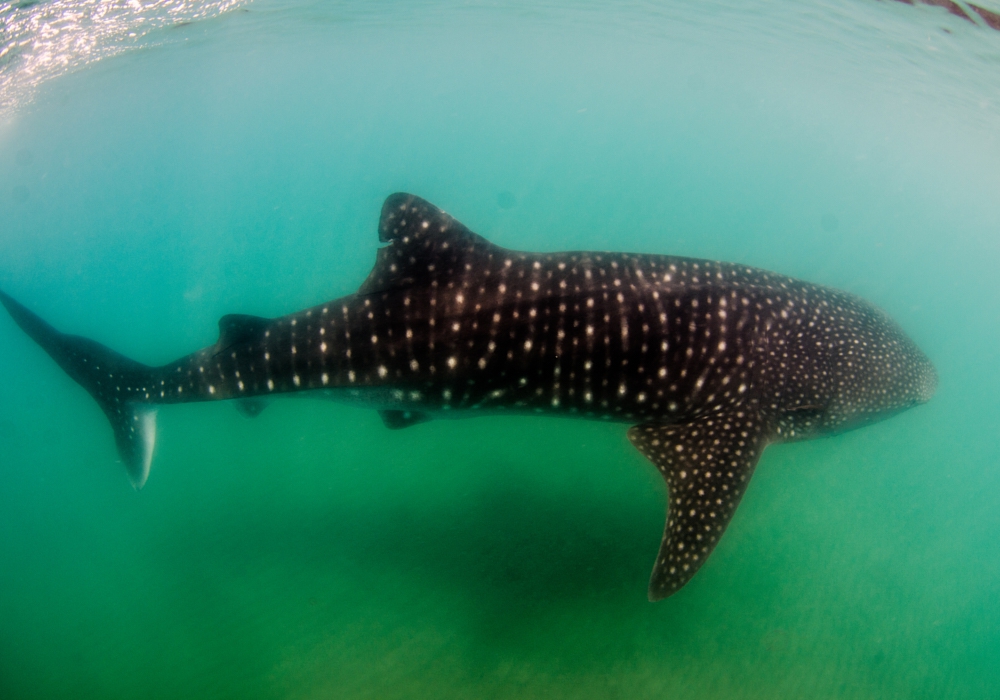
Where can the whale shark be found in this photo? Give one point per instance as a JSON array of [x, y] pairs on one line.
[[708, 362]]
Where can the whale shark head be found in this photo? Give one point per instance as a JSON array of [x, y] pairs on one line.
[[843, 363], [891, 374]]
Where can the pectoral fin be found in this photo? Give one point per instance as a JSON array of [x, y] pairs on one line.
[[707, 463]]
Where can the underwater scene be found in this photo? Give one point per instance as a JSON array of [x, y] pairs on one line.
[[166, 163]]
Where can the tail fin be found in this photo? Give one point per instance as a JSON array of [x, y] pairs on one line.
[[112, 379]]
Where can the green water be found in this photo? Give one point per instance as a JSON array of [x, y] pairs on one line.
[[237, 164]]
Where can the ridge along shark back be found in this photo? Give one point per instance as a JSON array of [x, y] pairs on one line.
[[709, 362]]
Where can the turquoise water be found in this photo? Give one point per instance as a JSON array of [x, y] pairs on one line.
[[232, 157]]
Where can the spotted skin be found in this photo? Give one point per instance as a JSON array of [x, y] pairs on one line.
[[709, 361], [707, 463]]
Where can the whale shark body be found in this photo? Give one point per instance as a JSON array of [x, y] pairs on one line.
[[709, 362]]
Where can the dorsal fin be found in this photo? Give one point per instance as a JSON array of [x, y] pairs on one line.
[[240, 328], [425, 244]]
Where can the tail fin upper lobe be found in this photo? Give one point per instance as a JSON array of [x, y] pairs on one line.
[[112, 379]]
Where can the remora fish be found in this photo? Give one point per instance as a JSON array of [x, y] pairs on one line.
[[709, 361]]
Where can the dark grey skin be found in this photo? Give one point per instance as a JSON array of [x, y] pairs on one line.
[[709, 362]]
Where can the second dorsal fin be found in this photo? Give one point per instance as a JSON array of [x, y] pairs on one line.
[[425, 244], [240, 328]]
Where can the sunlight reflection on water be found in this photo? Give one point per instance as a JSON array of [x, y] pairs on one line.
[[42, 40]]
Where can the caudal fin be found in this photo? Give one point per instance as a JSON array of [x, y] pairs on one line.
[[112, 379]]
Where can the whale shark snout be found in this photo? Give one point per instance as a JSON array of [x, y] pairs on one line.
[[928, 382]]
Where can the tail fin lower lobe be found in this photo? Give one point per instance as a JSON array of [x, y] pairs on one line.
[[112, 379]]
